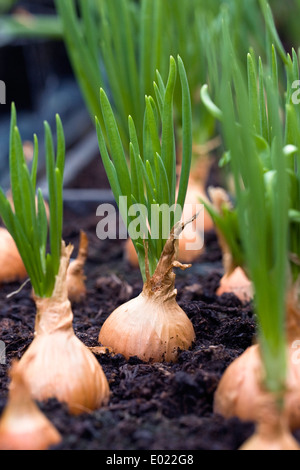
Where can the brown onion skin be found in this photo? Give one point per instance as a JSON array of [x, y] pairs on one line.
[[282, 441], [11, 265], [57, 364], [236, 283], [23, 426], [272, 429], [152, 330], [60, 366], [26, 442], [152, 326], [239, 392]]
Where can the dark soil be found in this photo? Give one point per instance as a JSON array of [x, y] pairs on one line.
[[159, 406]]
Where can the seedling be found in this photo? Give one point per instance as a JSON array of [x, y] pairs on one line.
[[261, 150], [56, 364], [118, 45], [151, 326]]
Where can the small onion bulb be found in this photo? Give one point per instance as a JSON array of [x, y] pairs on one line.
[[57, 364], [272, 430], [151, 326], [11, 265], [23, 426], [237, 283], [239, 392]]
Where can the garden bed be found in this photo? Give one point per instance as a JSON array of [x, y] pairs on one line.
[[159, 406]]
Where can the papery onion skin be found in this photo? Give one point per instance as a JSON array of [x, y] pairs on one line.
[[281, 441], [57, 364], [23, 426], [151, 329], [152, 326], [239, 394], [236, 283], [11, 265], [272, 431], [26, 441]]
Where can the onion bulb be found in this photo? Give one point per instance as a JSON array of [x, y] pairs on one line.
[[75, 274], [272, 430], [234, 280], [238, 284], [239, 392], [57, 364], [152, 326], [11, 265], [23, 426]]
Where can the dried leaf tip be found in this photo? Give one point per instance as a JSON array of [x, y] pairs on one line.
[[163, 279]]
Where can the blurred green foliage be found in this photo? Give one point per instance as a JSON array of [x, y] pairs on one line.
[[5, 5]]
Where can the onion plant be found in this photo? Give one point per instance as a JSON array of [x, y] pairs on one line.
[[257, 74], [27, 222], [102, 47], [150, 177], [151, 326], [119, 44], [264, 161], [56, 364]]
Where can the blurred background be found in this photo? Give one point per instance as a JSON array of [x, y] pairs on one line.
[[35, 66], [39, 79]]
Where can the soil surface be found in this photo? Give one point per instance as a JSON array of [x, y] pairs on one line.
[[158, 406]]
